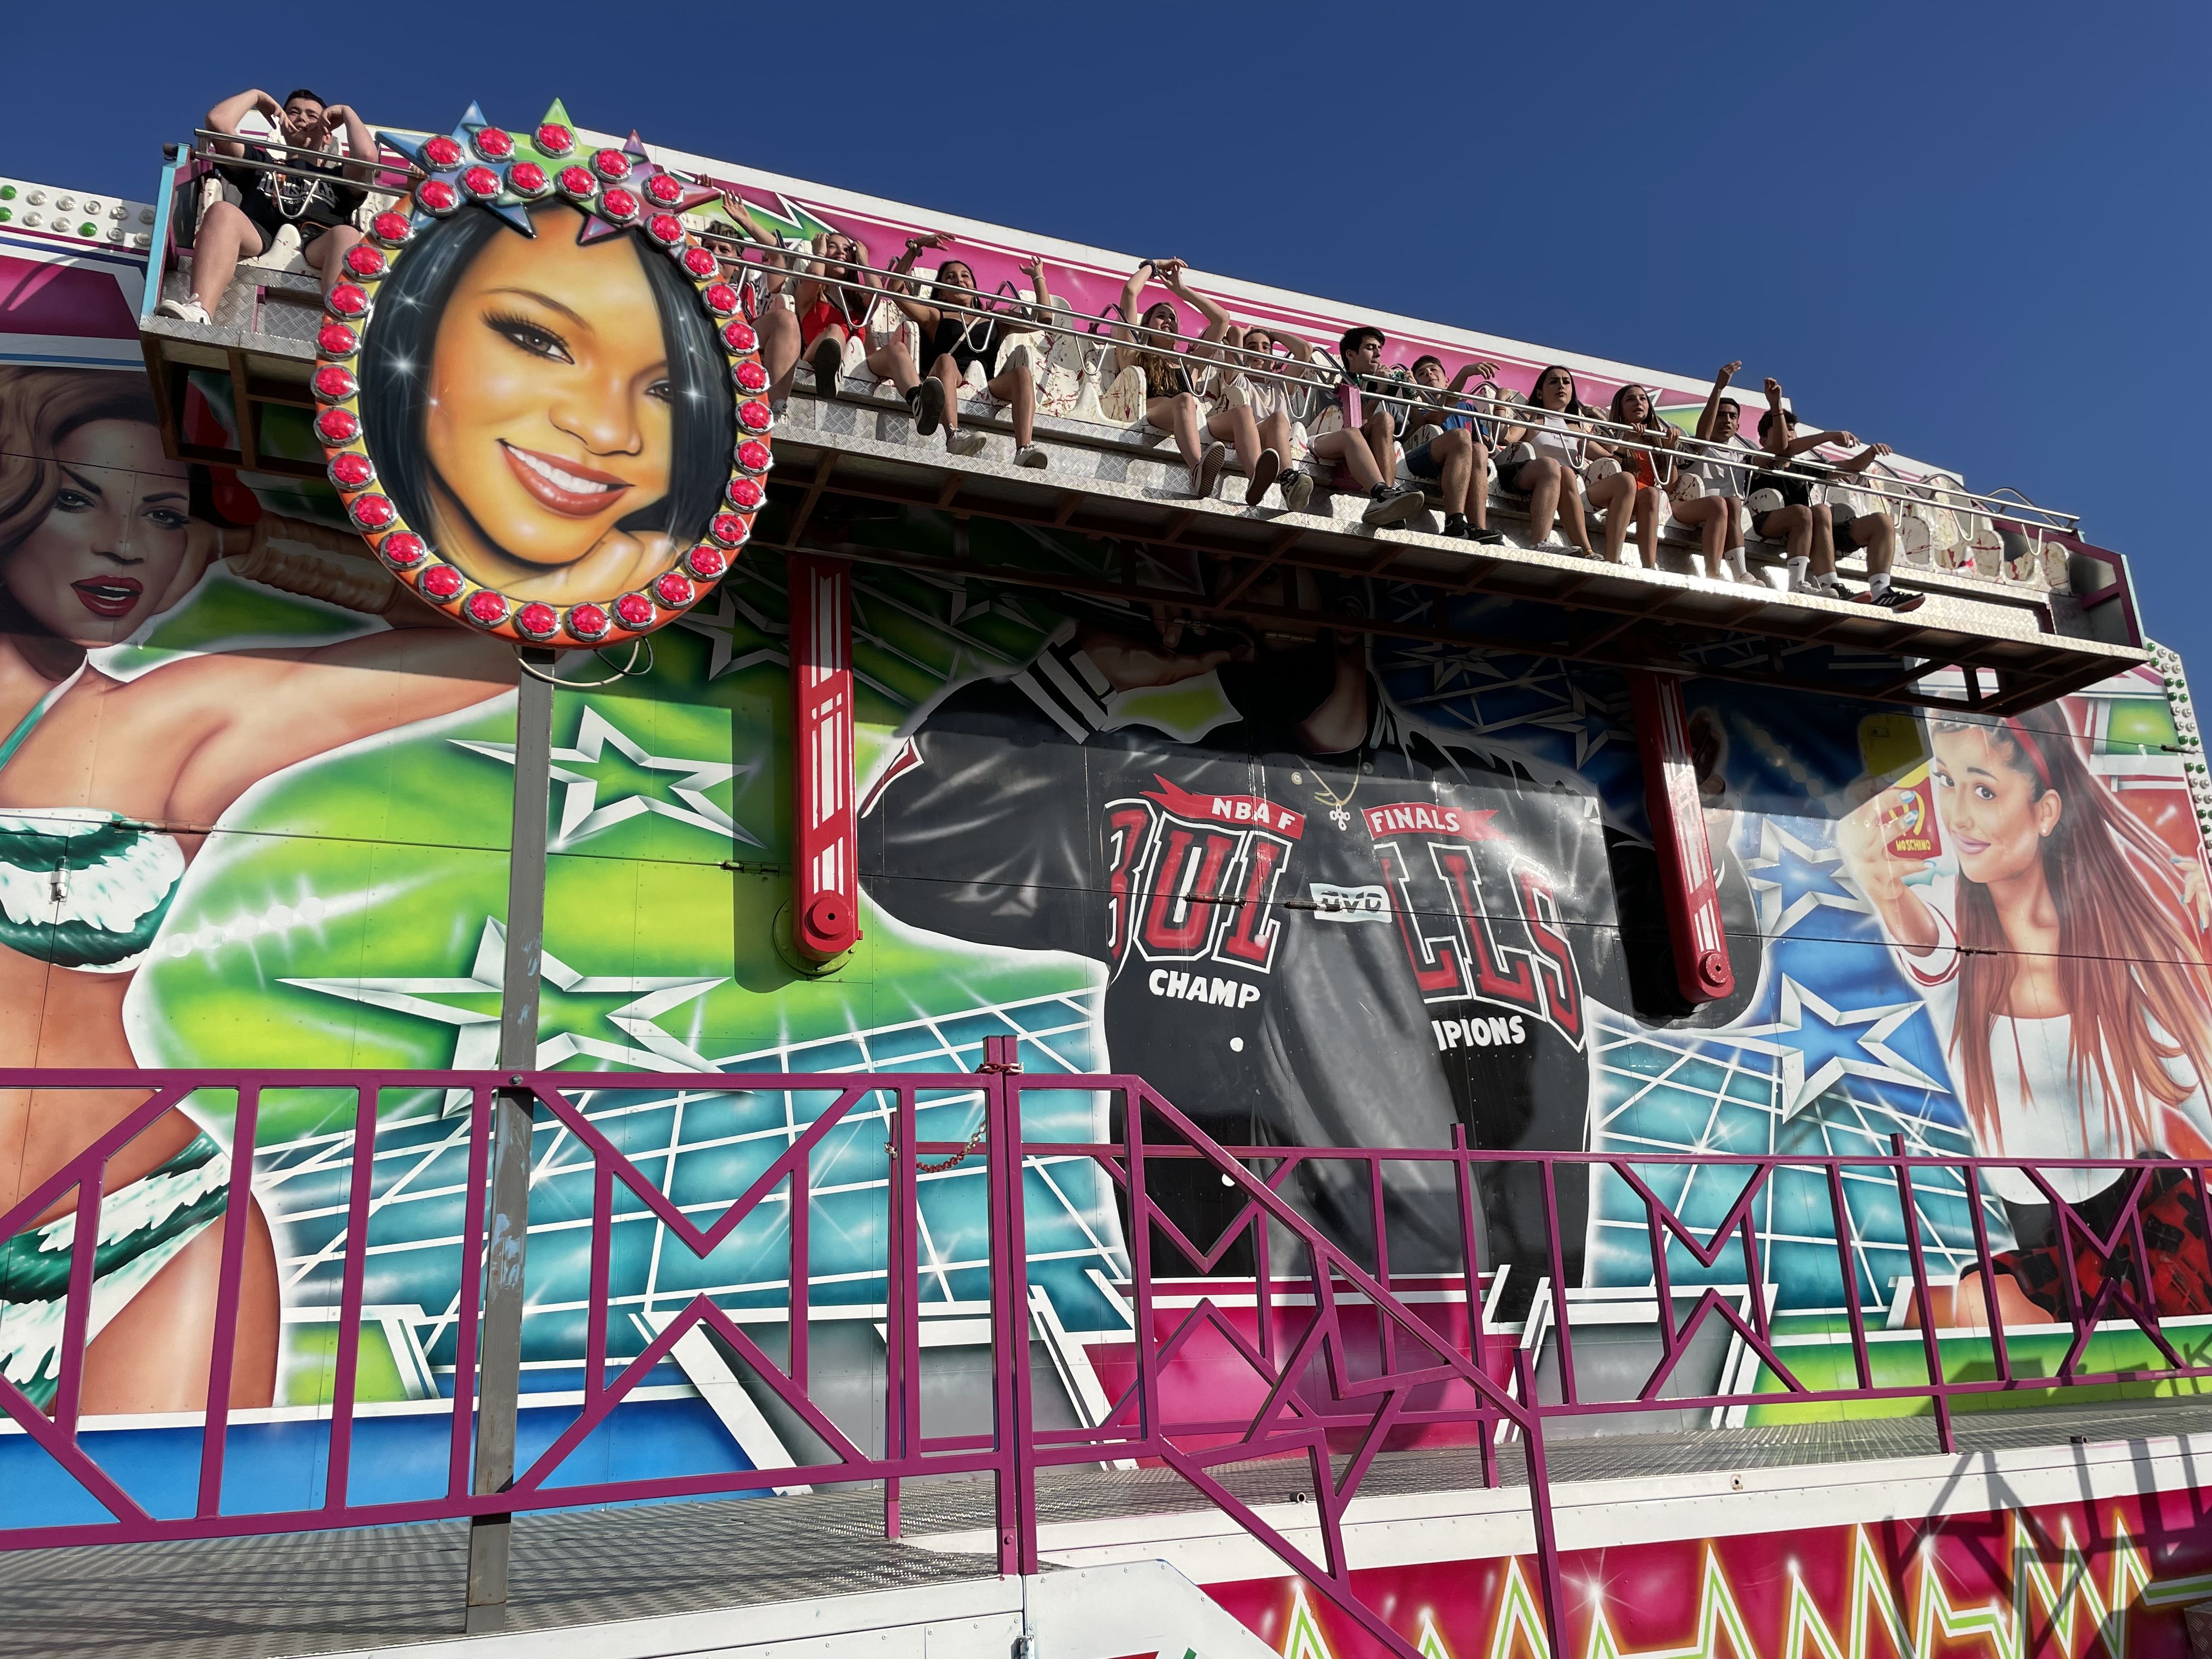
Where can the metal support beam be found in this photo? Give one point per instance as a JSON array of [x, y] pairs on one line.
[[825, 895], [499, 1380], [1688, 880]]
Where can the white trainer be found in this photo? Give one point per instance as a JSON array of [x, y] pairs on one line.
[[186, 310]]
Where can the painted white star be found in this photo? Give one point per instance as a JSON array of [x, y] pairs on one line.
[[476, 1033], [580, 813], [1589, 719], [720, 626], [1800, 1089], [1767, 892]]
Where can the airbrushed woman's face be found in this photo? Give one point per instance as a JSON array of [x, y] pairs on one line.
[[114, 541], [550, 418], [1989, 810]]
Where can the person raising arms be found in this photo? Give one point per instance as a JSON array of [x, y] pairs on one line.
[[1445, 447], [1814, 570], [832, 301], [1277, 398], [1708, 489], [318, 197], [1171, 402], [959, 327]]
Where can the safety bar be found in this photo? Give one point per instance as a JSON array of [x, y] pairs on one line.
[[1939, 490]]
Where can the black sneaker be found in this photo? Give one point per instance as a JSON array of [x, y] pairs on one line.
[[928, 407], [1489, 537], [1455, 527], [829, 357], [1297, 490], [1392, 504], [1894, 598]]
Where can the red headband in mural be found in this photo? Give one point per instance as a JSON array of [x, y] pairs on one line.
[[2026, 743], [506, 174]]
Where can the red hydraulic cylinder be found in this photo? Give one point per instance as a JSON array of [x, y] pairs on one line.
[[1688, 881], [825, 912]]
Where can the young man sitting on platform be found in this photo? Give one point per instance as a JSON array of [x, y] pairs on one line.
[[1445, 447], [1366, 444], [317, 194], [1781, 510]]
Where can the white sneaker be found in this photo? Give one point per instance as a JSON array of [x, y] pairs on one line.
[[963, 443], [1033, 456], [186, 310]]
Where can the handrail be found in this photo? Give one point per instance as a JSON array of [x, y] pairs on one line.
[[1317, 1381], [1939, 489]]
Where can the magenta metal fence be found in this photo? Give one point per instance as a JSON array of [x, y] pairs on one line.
[[1341, 1363]]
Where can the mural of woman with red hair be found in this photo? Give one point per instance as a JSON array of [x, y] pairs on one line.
[[2063, 963]]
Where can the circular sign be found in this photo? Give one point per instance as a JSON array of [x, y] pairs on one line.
[[542, 405]]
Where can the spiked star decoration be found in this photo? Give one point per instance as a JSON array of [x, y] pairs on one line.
[[616, 191]]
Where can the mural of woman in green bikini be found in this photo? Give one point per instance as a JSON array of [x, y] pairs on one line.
[[107, 789]]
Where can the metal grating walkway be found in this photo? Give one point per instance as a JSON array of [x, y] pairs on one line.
[[316, 1592]]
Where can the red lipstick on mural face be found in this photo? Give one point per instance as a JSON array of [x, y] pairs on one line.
[[565, 487], [109, 596]]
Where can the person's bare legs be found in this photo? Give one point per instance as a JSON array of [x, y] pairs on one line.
[[891, 360], [1478, 482], [947, 374], [1794, 524], [1541, 478], [1017, 388], [778, 328], [1615, 497], [1178, 416], [224, 237], [326, 255], [1236, 425], [1649, 506], [1710, 516], [1453, 453], [1383, 442], [1351, 448], [1824, 544], [1876, 533]]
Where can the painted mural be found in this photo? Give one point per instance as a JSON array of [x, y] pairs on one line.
[[2061, 1581], [1318, 885]]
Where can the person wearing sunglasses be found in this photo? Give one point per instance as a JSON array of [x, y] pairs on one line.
[[1783, 510]]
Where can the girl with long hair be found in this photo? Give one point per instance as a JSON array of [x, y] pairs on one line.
[[1173, 375], [1556, 431], [1643, 500], [2061, 966], [108, 789], [960, 327]]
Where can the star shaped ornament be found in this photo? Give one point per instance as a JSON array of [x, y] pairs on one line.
[[1820, 1045]]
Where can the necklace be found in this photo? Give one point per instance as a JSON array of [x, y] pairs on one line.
[[1338, 805]]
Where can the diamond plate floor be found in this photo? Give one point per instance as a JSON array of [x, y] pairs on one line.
[[317, 1592]]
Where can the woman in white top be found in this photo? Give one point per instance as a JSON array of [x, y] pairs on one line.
[[1557, 434], [1273, 402], [2063, 965]]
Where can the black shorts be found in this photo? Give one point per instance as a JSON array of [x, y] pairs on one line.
[[1841, 519]]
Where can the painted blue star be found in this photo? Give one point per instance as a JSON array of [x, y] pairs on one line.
[[1820, 1045], [1791, 879]]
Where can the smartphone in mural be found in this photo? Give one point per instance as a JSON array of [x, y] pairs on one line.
[[1893, 748]]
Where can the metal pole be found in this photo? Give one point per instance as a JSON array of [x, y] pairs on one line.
[[500, 1380]]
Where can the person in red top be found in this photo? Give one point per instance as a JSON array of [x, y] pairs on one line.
[[1632, 409]]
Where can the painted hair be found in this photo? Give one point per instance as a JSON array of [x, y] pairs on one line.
[[395, 382], [40, 408], [2127, 960]]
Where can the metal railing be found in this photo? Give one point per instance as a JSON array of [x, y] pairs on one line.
[[1495, 410], [1342, 1364]]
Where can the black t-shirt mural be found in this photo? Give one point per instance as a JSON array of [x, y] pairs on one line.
[[1352, 950]]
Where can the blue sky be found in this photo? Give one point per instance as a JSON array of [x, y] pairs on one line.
[[1977, 232]]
